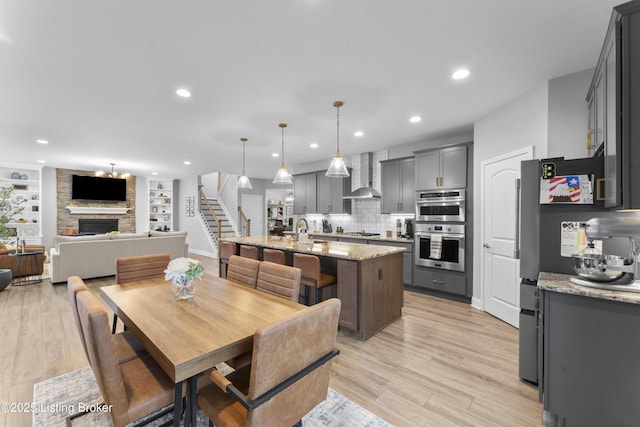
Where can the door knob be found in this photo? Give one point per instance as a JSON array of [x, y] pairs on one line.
[[486, 245]]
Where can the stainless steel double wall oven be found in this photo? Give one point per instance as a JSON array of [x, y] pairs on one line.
[[439, 235]]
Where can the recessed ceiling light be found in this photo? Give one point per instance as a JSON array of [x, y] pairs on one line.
[[460, 74], [42, 141], [183, 93], [42, 161], [313, 145], [154, 173], [415, 119], [358, 133], [187, 162], [275, 154]]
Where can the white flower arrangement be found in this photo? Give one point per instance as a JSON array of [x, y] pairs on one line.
[[183, 269]]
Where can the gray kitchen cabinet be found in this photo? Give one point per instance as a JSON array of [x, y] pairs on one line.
[[590, 355], [440, 280], [330, 193], [614, 96], [441, 169], [407, 257], [398, 189], [304, 193]]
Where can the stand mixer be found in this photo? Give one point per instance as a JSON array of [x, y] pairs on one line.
[[610, 271]]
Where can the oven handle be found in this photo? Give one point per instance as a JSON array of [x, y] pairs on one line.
[[516, 251], [444, 235]]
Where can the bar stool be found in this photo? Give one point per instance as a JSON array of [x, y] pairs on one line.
[[311, 274], [249, 252], [273, 255], [226, 250]]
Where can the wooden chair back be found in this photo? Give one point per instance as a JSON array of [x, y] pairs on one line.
[[226, 250], [285, 348], [280, 280], [243, 270], [131, 269]]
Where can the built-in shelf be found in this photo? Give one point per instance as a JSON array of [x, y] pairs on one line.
[[81, 210]]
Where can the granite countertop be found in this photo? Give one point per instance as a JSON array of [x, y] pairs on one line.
[[381, 237], [557, 282], [352, 251]]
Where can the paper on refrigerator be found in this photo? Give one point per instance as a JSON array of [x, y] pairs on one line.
[[566, 189]]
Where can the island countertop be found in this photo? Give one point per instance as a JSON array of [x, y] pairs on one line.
[[557, 282], [379, 238], [341, 250]]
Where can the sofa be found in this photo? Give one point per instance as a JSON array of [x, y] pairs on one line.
[[95, 256], [7, 261]]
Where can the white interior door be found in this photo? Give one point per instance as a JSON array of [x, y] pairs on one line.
[[252, 206], [500, 208]]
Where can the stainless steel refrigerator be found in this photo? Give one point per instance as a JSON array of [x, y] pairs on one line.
[[540, 240]]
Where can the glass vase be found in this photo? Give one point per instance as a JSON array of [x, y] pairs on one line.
[[183, 288]]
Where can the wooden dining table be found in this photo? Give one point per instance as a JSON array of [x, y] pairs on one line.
[[188, 337]]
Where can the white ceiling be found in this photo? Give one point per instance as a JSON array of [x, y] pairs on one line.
[[97, 79]]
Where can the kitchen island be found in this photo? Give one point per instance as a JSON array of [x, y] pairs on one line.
[[369, 278], [591, 349]]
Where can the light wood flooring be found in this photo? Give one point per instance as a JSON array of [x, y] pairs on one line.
[[443, 364]]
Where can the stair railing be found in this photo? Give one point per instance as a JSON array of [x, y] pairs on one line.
[[204, 199], [246, 222]]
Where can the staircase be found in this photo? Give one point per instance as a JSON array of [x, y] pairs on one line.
[[226, 229]]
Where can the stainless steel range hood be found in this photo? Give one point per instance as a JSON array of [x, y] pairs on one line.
[[366, 178]]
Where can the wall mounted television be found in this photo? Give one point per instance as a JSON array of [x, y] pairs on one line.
[[97, 188]]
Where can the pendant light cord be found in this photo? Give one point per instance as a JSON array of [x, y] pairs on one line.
[[282, 126]]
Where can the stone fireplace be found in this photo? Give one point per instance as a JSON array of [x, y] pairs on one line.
[[125, 222]]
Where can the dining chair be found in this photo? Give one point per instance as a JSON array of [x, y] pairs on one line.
[[312, 276], [280, 280], [273, 255], [134, 268], [134, 388], [249, 252], [243, 270], [126, 345], [226, 250], [288, 376]]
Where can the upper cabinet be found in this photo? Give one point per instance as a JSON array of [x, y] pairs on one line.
[[442, 168], [160, 204], [398, 189], [613, 101], [330, 193], [304, 193]]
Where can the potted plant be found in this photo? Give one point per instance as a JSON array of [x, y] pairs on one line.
[[9, 208]]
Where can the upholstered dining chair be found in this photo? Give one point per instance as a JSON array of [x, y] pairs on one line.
[[273, 255], [126, 345], [226, 250], [249, 252], [280, 280], [243, 270], [288, 376], [312, 276], [131, 269], [133, 389]]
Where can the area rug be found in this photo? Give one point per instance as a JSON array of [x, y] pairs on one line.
[[58, 397]]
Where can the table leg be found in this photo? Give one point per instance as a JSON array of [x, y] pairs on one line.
[[192, 402], [177, 405]]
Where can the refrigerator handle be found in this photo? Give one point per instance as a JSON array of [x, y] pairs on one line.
[[516, 250]]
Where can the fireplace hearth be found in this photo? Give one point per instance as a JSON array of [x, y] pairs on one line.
[[97, 226]]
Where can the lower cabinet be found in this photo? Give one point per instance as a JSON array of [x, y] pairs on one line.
[[407, 258], [439, 280], [591, 353]]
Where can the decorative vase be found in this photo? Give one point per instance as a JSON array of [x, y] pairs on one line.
[[183, 288]]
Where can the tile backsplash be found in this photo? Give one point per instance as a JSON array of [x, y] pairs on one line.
[[365, 216]]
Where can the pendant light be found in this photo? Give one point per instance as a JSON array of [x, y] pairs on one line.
[[283, 176], [337, 168], [243, 181]]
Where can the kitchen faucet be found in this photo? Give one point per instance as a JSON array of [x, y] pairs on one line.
[[306, 223]]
